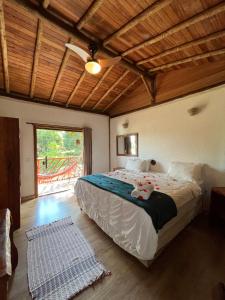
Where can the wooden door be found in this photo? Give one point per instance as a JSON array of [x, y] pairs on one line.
[[10, 168]]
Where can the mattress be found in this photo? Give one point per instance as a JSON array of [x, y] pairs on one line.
[[129, 225]]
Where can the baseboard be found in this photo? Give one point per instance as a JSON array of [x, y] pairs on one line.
[[27, 198]]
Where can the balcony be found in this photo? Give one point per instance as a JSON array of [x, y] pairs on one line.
[[57, 174]]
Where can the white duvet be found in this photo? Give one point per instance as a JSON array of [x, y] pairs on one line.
[[126, 223]]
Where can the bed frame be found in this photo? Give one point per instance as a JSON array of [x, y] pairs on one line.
[[172, 228]]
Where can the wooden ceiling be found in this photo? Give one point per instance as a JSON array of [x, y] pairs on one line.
[[169, 48]]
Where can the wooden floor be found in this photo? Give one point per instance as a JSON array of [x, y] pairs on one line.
[[187, 270]]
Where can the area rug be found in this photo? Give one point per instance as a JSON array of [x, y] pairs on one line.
[[61, 263]]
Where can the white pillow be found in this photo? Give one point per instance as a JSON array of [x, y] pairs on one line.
[[147, 165], [185, 171], [136, 164]]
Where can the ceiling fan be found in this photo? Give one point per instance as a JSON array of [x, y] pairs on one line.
[[93, 65]]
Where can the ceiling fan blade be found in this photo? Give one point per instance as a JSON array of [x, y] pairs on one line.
[[83, 54], [104, 63]]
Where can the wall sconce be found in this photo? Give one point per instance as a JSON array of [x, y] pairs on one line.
[[193, 111], [196, 109], [125, 124]]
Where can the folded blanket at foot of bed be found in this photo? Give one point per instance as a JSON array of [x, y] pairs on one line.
[[142, 190], [160, 207]]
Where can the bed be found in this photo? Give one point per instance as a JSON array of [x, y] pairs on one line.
[[129, 225]]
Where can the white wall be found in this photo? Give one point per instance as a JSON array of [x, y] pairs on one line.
[[31, 112], [167, 132]]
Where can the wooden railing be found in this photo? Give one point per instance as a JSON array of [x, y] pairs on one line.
[[58, 168]]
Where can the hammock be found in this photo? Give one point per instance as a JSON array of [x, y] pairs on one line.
[[65, 174]]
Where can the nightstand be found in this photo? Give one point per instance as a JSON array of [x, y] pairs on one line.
[[118, 168], [217, 208]]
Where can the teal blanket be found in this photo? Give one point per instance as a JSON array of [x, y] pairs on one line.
[[160, 207]]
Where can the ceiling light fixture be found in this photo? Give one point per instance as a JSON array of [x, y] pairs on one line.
[[92, 67]]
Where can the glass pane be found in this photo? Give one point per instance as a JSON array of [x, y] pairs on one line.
[[59, 159]]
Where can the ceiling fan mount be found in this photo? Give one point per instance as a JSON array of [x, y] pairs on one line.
[[93, 65], [93, 48]]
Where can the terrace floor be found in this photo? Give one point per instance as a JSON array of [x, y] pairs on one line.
[[56, 186]]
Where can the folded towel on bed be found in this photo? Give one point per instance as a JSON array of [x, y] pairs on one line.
[[142, 190]]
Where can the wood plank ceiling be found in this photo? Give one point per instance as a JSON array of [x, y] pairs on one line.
[[159, 41]]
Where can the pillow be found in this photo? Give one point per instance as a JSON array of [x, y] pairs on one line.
[[147, 165], [186, 171], [136, 164]]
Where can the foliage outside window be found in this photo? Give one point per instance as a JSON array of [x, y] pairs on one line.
[[56, 143]]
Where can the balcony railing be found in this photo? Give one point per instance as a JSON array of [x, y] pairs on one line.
[[58, 168]]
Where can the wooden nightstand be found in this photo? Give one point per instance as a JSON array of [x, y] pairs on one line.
[[217, 208]]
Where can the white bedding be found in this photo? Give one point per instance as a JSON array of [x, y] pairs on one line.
[[126, 223]]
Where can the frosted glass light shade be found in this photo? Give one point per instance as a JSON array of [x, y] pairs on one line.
[[93, 67]]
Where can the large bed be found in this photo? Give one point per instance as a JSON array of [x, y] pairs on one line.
[[129, 225]]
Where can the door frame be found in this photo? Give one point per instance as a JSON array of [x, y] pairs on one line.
[[48, 127]]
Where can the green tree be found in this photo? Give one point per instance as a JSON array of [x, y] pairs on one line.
[[73, 143], [50, 142], [55, 143]]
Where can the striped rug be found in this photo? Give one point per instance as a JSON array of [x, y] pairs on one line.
[[61, 262]]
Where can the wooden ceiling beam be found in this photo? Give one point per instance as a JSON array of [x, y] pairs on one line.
[[89, 13], [121, 94], [75, 88], [96, 87], [36, 57], [73, 32], [110, 89], [184, 46], [148, 89], [60, 72], [206, 14], [189, 59], [147, 13], [4, 48]]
